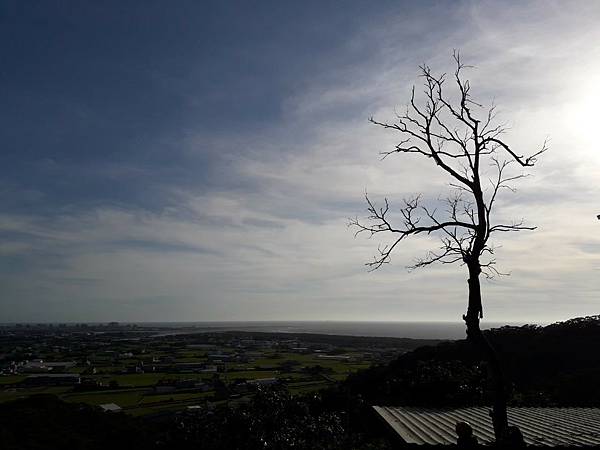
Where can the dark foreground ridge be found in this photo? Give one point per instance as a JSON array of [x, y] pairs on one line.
[[556, 365]]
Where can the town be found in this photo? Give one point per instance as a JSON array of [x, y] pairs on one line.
[[143, 370]]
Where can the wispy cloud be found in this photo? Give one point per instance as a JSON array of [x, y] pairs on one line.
[[247, 219]]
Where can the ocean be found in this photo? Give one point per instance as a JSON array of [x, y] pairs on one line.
[[416, 330]]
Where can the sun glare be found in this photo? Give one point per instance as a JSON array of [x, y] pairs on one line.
[[583, 114]]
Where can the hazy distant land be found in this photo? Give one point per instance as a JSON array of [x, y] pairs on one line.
[[414, 330]]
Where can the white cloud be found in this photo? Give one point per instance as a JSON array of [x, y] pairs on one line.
[[281, 250]]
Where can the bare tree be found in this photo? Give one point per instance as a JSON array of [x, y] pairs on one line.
[[470, 149]]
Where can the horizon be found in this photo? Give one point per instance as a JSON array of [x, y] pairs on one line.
[[375, 329], [203, 161], [260, 321]]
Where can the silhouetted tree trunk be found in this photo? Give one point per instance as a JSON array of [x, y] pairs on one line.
[[474, 314], [451, 136], [476, 337]]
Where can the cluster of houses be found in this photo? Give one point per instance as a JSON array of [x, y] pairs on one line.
[[39, 366], [43, 373]]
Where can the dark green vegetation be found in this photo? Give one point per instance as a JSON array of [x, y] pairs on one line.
[[45, 422], [554, 365], [272, 419]]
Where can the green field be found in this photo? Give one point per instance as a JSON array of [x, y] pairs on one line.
[[249, 375], [10, 379], [150, 379], [123, 398], [174, 397], [13, 394]]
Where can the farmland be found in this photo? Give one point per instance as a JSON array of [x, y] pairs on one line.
[[148, 370]]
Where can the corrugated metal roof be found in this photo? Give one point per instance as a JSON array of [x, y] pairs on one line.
[[540, 426]]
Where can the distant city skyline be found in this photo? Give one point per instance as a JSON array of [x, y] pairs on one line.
[[199, 161]]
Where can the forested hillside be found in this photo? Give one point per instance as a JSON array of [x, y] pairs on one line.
[[554, 365]]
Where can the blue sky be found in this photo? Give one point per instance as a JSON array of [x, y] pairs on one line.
[[199, 160]]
